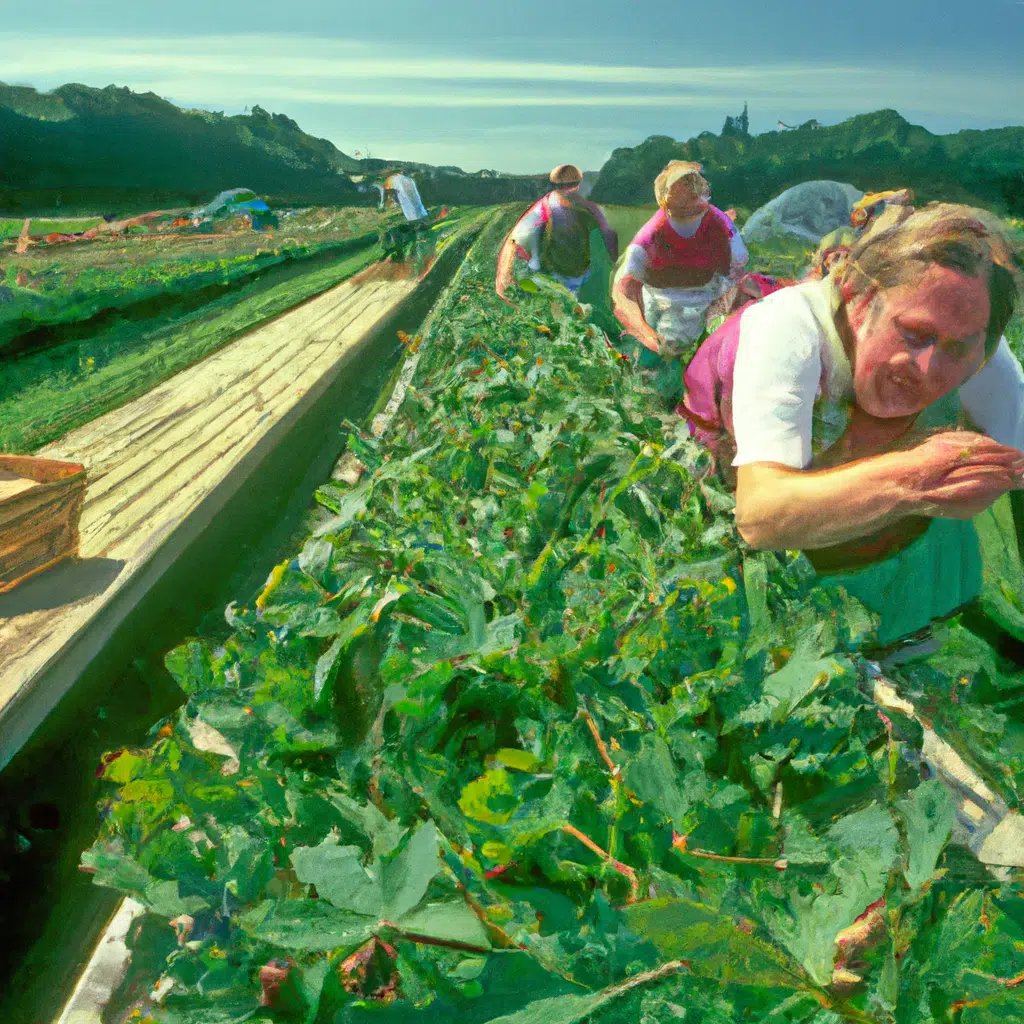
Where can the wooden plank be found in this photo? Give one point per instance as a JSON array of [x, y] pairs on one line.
[[105, 970], [159, 469], [106, 437], [196, 409]]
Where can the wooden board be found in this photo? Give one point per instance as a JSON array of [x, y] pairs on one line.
[[158, 471]]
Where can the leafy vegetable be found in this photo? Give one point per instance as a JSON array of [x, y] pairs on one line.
[[525, 734]]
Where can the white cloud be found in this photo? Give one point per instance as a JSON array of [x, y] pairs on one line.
[[218, 69], [309, 77]]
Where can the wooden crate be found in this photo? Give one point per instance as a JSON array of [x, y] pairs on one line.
[[39, 526]]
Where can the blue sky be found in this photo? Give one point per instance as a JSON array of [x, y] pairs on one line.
[[520, 85]]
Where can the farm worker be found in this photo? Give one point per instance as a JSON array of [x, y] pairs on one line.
[[832, 405], [553, 236], [683, 259], [403, 190]]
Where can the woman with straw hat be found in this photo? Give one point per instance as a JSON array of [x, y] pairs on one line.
[[553, 236], [684, 258]]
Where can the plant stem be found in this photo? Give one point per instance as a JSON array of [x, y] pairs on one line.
[[779, 863], [429, 940], [623, 869], [601, 748], [646, 977]]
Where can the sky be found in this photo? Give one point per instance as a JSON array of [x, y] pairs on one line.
[[522, 85]]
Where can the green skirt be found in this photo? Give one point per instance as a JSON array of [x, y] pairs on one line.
[[933, 577]]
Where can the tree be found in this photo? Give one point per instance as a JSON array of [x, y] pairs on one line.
[[737, 125]]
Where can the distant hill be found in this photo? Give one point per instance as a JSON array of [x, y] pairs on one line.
[[872, 151], [81, 149]]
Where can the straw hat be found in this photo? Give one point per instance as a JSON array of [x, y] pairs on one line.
[[566, 174], [671, 173]]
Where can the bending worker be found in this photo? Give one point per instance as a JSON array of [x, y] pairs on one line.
[[833, 405], [402, 189], [684, 258], [554, 235]]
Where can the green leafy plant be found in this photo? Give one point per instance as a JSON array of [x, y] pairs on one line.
[[524, 734]]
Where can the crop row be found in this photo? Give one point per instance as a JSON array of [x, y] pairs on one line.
[[525, 734]]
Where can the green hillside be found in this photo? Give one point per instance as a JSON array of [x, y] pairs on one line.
[[872, 151], [80, 149]]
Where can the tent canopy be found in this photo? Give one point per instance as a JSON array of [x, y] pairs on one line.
[[231, 200]]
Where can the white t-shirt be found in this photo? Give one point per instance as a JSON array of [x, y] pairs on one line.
[[790, 353], [408, 196], [677, 314]]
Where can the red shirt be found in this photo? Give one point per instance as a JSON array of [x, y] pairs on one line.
[[677, 262]]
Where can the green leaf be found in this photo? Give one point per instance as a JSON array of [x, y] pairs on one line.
[[652, 774], [404, 880], [315, 558], [452, 921], [383, 833], [713, 942], [192, 667], [348, 629], [928, 814], [311, 925], [520, 760], [755, 585], [569, 1009], [785, 690], [339, 877], [488, 799], [164, 899]]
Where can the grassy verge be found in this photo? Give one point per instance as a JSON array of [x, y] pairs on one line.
[[70, 389]]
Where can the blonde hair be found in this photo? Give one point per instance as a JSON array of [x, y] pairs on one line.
[[671, 173], [902, 243]]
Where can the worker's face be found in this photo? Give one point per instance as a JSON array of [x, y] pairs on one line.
[[688, 197], [917, 342]]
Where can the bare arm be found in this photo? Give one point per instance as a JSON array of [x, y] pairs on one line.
[[955, 475], [779, 508], [627, 298], [506, 261]]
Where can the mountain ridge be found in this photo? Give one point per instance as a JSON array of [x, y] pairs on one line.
[[78, 147], [873, 151]]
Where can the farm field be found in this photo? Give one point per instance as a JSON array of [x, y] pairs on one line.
[[525, 734], [130, 329], [64, 283]]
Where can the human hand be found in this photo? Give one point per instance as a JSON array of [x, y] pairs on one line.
[[957, 474]]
